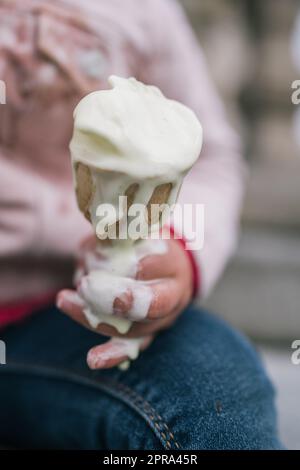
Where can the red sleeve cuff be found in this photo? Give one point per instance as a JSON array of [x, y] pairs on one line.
[[16, 311], [194, 264]]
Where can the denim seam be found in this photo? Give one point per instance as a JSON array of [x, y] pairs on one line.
[[158, 422], [111, 387]]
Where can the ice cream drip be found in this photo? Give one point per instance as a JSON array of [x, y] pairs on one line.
[[130, 141]]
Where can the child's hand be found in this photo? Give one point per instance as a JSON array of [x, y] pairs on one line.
[[172, 287]]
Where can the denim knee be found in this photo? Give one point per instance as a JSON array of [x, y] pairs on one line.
[[208, 384]]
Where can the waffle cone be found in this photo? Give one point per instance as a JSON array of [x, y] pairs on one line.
[[85, 191]]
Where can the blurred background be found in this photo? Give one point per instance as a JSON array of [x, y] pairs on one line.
[[252, 53]]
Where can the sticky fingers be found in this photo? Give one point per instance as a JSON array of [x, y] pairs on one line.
[[116, 351], [164, 294]]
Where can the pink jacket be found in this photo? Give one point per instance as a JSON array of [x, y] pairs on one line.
[[51, 54]]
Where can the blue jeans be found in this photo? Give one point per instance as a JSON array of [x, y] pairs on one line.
[[200, 385]]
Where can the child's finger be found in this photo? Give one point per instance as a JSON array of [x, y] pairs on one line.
[[71, 303], [154, 326], [157, 266], [166, 297], [164, 294], [116, 351]]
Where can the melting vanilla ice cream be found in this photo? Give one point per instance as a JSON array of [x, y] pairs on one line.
[[132, 134], [132, 141]]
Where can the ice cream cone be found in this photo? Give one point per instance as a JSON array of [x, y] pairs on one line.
[[84, 188], [128, 141], [85, 191]]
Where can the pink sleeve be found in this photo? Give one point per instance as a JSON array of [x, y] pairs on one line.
[[36, 217], [176, 64]]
